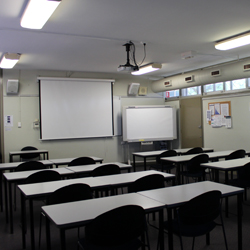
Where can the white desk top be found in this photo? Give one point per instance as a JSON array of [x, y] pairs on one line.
[[45, 188], [225, 165], [125, 178], [12, 165], [81, 212], [91, 167], [64, 161], [14, 176], [176, 195], [21, 152], [184, 158], [157, 152]]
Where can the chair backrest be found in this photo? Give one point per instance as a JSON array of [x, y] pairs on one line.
[[201, 209], [196, 150], [117, 226], [244, 172], [107, 169], [167, 153], [43, 176], [147, 182], [82, 161], [240, 153], [70, 193], [30, 165], [29, 155], [194, 163]]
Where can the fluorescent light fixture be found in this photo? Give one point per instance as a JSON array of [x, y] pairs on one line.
[[147, 68], [9, 60], [234, 42], [38, 12]]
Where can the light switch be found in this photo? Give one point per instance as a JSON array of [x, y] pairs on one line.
[[19, 124]]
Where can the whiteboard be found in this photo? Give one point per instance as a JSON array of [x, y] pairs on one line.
[[75, 108], [149, 123]]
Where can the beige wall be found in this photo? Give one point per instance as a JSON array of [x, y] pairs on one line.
[[25, 109]]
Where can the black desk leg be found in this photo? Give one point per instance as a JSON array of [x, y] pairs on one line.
[[32, 234], [239, 212], [6, 201], [161, 229], [134, 162], [10, 208], [145, 164], [1, 189], [48, 233], [170, 229], [62, 235], [23, 220]]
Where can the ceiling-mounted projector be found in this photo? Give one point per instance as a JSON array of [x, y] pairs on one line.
[[128, 67]]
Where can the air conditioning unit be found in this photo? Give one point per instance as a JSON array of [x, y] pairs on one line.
[[246, 67], [168, 83]]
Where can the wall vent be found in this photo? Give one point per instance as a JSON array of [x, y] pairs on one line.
[[246, 67], [189, 78], [168, 83], [215, 73]]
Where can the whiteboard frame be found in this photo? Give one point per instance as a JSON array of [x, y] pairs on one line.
[[139, 124]]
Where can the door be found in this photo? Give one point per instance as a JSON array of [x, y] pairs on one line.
[[191, 123]]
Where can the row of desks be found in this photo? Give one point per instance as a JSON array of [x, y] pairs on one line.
[[13, 177], [77, 214], [38, 190]]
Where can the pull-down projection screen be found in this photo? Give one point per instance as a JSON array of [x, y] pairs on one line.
[[75, 108], [149, 123]]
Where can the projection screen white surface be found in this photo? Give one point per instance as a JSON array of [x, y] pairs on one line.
[[149, 123], [75, 108]]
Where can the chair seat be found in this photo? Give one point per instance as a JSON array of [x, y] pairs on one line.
[[132, 245]]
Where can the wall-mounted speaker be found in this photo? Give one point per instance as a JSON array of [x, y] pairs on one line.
[[143, 91], [12, 86], [133, 88]]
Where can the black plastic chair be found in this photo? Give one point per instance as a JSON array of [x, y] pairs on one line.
[[82, 161], [237, 154], [43, 176], [195, 150], [29, 156], [162, 165], [69, 193], [148, 182], [240, 153], [118, 229], [107, 169], [243, 178], [193, 168], [197, 217], [26, 166]]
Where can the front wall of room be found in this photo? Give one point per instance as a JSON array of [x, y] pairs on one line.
[[24, 108]]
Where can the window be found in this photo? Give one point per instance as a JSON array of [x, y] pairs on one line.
[[191, 91], [208, 88], [239, 84], [172, 93], [218, 86]]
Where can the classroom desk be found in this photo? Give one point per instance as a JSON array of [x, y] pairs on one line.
[[42, 190], [38, 190], [178, 160], [13, 177], [75, 214], [86, 169], [174, 197], [11, 166], [43, 152], [66, 161], [148, 154], [123, 180], [225, 166]]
